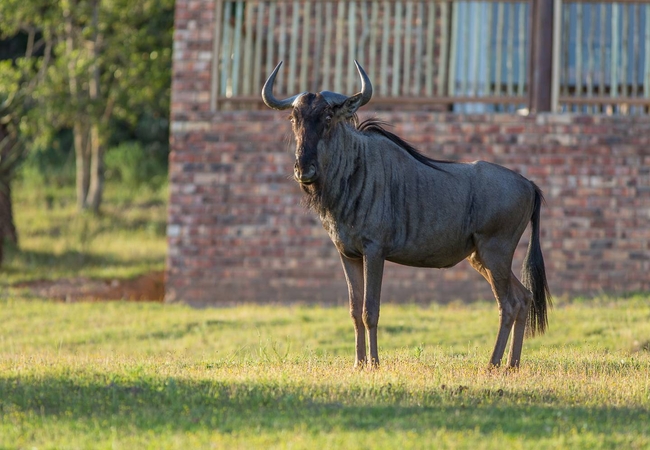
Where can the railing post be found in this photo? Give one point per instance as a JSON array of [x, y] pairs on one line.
[[216, 55], [541, 56]]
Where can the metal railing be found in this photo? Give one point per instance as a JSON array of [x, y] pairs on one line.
[[604, 57], [443, 54]]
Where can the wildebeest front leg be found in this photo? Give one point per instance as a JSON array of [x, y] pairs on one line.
[[373, 272], [353, 269]]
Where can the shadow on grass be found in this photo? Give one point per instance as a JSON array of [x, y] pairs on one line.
[[68, 259], [30, 264], [169, 403]]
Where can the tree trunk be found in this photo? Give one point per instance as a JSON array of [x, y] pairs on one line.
[[10, 152], [96, 190], [7, 226], [80, 127], [82, 160]]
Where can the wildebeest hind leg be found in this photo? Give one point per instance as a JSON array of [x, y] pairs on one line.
[[524, 297], [353, 269], [496, 270]]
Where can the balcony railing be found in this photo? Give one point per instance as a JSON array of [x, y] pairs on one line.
[[603, 57], [441, 55]]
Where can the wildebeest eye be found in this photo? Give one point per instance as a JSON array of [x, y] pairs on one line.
[[328, 119], [291, 119]]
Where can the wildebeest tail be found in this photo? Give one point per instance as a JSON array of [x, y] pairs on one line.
[[533, 275]]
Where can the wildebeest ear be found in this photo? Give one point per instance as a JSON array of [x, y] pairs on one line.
[[349, 107]]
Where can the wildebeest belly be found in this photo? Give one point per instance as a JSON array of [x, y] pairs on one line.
[[430, 257], [441, 254]]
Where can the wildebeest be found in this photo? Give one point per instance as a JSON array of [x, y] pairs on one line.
[[380, 199]]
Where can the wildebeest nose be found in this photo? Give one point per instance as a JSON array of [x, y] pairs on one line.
[[307, 177]]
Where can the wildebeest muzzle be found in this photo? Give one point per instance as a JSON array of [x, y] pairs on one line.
[[305, 175]]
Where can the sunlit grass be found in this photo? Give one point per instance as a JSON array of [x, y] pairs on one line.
[[55, 241], [142, 375]]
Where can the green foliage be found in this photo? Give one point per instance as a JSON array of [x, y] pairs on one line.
[[131, 164], [135, 375], [106, 64], [133, 58], [9, 80], [51, 165]]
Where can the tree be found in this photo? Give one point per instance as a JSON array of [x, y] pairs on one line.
[[110, 59], [15, 92], [11, 153]]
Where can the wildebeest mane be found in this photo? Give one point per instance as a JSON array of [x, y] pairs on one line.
[[375, 125]]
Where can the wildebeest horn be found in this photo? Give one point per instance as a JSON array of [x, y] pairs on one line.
[[331, 97], [366, 86], [334, 98], [267, 93]]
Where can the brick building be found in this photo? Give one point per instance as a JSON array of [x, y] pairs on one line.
[[237, 232]]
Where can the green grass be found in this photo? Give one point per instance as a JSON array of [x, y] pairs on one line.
[[125, 375], [143, 375], [127, 240]]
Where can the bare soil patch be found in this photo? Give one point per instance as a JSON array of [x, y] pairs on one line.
[[148, 287]]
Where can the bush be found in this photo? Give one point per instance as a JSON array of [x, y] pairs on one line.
[[135, 166], [51, 166]]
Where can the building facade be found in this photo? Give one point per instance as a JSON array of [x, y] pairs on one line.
[[237, 231]]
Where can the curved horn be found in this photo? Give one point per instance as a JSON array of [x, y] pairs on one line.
[[267, 93], [366, 86]]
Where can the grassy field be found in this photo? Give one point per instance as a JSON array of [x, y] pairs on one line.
[[129, 375], [127, 240], [147, 375]]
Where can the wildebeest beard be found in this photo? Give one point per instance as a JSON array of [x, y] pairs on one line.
[[313, 198]]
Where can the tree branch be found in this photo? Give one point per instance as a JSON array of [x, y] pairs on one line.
[[31, 34]]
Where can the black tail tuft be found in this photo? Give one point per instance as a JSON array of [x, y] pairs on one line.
[[533, 275]]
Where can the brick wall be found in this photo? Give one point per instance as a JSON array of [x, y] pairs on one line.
[[237, 231]]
